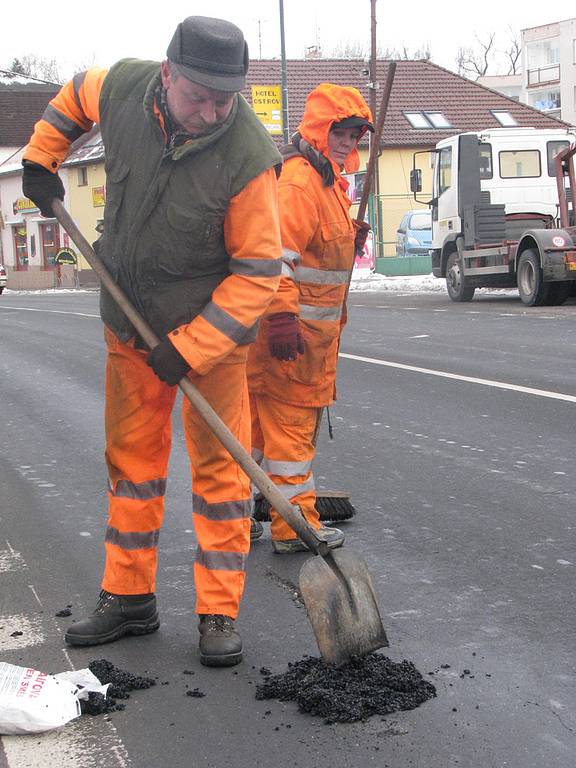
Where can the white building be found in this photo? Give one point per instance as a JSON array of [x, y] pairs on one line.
[[549, 69]]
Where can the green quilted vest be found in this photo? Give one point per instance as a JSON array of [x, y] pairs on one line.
[[163, 239]]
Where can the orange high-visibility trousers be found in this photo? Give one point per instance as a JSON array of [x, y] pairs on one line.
[[138, 441], [283, 445]]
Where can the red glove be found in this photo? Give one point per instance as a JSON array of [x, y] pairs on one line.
[[285, 341], [362, 228]]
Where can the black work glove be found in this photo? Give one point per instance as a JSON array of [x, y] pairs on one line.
[[167, 363], [41, 186]]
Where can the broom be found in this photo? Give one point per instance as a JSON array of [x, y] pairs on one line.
[[336, 505], [331, 505]]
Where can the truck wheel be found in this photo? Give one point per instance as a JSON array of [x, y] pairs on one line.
[[533, 291], [558, 293], [455, 285]]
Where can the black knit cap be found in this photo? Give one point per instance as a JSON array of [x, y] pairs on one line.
[[354, 122], [210, 52]]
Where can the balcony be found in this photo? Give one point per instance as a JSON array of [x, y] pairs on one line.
[[542, 75]]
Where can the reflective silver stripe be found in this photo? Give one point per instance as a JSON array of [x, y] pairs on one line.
[[224, 510], [226, 324], [290, 257], [251, 334], [308, 312], [256, 267], [151, 489], [288, 272], [287, 468], [132, 539], [221, 561], [67, 127], [289, 491], [257, 455], [77, 82], [322, 276]]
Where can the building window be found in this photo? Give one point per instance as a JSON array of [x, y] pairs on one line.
[[417, 120], [545, 101], [523, 164], [438, 120], [504, 118], [82, 176], [427, 120], [50, 244], [552, 149], [20, 246]]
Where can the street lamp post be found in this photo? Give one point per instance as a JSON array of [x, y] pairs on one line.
[[285, 130]]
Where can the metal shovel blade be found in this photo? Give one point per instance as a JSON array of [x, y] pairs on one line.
[[339, 597]]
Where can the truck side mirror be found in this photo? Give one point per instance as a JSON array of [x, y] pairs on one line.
[[416, 180]]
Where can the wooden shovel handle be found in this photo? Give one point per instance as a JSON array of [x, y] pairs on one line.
[[375, 142], [289, 513]]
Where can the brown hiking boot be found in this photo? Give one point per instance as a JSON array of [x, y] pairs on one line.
[[220, 641], [256, 529], [332, 536], [114, 617]]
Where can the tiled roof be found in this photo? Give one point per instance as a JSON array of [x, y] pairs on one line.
[[418, 86], [21, 106], [89, 148]]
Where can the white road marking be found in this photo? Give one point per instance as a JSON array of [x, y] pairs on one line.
[[77, 745], [19, 631], [11, 560], [51, 311], [31, 587], [469, 379]]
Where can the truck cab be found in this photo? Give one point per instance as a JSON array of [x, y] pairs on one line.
[[488, 190]]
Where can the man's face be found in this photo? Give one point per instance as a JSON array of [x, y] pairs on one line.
[[341, 141], [195, 108]]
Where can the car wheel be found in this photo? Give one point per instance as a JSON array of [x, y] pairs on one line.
[[534, 292], [455, 282]]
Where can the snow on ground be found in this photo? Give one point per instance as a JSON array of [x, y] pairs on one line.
[[368, 282]]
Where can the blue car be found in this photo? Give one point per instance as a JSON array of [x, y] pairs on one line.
[[414, 235]]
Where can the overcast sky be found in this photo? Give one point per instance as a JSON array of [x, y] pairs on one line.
[[103, 31]]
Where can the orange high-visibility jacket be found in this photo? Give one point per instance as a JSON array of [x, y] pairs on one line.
[[318, 255], [250, 229]]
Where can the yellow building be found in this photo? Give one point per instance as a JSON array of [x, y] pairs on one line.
[[86, 196]]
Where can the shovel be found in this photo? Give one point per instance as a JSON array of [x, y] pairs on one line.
[[336, 586]]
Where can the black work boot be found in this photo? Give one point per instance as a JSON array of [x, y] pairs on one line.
[[220, 641], [114, 617]]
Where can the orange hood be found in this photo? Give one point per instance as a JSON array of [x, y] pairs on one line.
[[328, 104]]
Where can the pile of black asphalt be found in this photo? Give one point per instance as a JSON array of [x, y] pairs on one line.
[[362, 687], [121, 683]]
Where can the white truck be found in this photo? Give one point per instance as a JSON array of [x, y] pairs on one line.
[[502, 212]]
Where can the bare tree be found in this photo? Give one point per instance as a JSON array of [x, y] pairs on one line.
[[37, 67], [513, 54], [357, 50], [475, 63]]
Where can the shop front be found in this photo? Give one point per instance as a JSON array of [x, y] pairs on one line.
[[30, 243]]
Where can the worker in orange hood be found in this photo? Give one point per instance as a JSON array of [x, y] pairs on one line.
[[292, 365]]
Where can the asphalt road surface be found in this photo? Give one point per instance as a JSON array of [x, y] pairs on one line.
[[454, 435]]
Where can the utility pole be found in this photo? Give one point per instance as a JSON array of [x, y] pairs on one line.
[[285, 130], [259, 39], [373, 85]]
